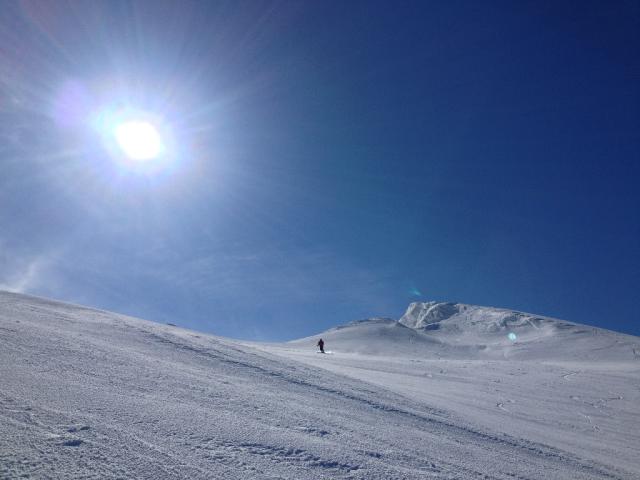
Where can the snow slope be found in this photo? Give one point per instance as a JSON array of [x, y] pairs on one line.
[[92, 394], [453, 330], [529, 336], [376, 336], [570, 386]]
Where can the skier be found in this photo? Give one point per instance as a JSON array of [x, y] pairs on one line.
[[321, 345]]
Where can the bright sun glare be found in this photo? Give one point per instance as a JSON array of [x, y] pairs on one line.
[[139, 140]]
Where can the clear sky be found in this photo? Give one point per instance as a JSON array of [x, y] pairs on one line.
[[323, 161]]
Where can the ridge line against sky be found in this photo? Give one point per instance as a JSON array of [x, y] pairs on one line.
[[322, 162]]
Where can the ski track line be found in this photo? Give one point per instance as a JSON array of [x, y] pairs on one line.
[[444, 427]]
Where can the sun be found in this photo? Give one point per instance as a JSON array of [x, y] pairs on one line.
[[139, 140]]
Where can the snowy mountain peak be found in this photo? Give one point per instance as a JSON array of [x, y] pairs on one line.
[[457, 330], [476, 320], [423, 314]]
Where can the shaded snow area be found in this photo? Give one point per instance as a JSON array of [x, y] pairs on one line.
[[92, 394]]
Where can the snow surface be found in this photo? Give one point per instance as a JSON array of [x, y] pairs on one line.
[[92, 394]]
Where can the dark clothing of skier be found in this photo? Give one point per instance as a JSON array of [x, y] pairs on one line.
[[321, 345]]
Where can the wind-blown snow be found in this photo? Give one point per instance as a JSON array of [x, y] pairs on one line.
[[92, 394]]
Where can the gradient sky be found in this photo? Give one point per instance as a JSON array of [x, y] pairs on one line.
[[326, 161]]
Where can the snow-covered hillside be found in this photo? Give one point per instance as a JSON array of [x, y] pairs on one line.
[[531, 336], [92, 394], [455, 330]]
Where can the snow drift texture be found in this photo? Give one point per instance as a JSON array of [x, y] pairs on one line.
[[92, 394]]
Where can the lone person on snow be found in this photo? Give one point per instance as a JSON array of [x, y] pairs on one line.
[[321, 345]]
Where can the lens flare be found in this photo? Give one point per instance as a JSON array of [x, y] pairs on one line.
[[512, 336]]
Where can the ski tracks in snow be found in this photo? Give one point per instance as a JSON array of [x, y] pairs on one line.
[[434, 424]]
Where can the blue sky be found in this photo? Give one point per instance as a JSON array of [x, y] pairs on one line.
[[325, 161]]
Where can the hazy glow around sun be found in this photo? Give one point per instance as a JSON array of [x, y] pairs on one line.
[[139, 140]]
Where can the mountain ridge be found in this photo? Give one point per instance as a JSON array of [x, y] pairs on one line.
[[447, 329]]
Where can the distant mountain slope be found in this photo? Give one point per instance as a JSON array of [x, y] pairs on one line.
[[472, 321], [455, 330], [381, 336]]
